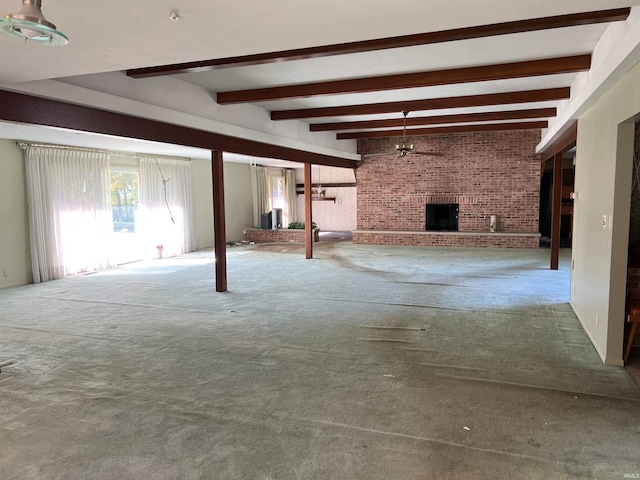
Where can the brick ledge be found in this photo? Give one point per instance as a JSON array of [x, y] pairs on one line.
[[421, 232], [281, 235]]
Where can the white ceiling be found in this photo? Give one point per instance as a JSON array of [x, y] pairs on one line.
[[116, 35], [464, 53], [121, 34]]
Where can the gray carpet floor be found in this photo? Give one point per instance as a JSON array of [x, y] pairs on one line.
[[364, 363]]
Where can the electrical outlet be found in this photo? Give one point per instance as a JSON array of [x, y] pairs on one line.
[[6, 271], [597, 320], [604, 221]]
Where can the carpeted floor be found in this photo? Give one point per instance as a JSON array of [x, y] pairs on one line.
[[364, 363]]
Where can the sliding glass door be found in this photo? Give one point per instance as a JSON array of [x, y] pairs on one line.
[[125, 194]]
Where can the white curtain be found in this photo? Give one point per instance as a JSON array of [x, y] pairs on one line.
[[70, 219], [290, 198], [166, 207], [261, 193]]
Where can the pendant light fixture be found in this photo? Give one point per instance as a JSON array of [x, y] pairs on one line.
[[29, 23]]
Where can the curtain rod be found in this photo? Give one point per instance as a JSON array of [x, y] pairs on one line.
[[22, 145]]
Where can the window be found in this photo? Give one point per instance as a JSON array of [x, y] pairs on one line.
[[124, 199], [273, 188], [277, 192]]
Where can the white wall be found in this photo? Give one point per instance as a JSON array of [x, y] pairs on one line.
[[604, 162], [14, 233], [238, 201], [202, 202], [330, 216]]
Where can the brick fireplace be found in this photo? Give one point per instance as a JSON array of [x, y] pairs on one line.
[[487, 173]]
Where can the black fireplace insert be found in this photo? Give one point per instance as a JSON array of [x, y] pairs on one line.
[[442, 217]]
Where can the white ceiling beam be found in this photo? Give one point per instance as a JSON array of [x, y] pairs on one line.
[[91, 98]]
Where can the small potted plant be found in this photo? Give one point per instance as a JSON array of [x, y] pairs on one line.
[[301, 226]]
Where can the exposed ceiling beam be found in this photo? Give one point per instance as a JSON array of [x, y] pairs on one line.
[[489, 127], [21, 108], [531, 68], [436, 119], [507, 98], [480, 31]]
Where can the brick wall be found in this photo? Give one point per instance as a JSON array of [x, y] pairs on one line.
[[634, 222], [633, 291], [486, 173], [633, 265]]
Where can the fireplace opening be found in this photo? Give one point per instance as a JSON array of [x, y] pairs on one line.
[[442, 217]]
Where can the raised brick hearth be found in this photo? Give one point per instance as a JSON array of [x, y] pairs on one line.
[[259, 235], [447, 239], [487, 173]]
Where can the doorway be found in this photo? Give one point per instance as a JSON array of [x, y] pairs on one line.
[[546, 195]]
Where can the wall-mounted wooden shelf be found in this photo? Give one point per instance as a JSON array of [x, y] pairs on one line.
[[328, 185], [324, 199], [315, 186]]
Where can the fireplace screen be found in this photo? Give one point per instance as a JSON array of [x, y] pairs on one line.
[[442, 217]]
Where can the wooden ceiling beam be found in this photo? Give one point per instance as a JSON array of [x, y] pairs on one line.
[[489, 127], [21, 108], [436, 119], [480, 31], [506, 98], [483, 73]]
